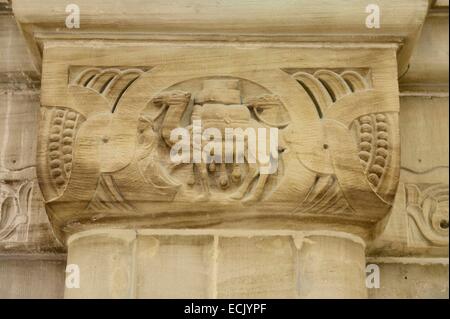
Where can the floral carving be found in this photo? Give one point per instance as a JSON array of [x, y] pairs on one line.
[[427, 209]]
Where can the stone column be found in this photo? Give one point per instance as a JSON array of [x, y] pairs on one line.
[[332, 265], [103, 260], [216, 264]]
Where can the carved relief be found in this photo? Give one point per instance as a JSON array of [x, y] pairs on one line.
[[110, 83], [218, 105], [117, 156], [63, 125], [427, 209], [325, 196], [15, 207], [375, 134]]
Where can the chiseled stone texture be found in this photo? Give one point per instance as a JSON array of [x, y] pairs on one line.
[[15, 53], [19, 113], [424, 125], [105, 265], [331, 267], [18, 128], [145, 265], [424, 132], [174, 266], [256, 267], [31, 278], [428, 69]]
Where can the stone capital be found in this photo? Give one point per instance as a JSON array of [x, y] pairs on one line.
[[111, 100]]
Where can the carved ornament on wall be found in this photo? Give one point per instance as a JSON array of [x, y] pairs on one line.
[[427, 209]]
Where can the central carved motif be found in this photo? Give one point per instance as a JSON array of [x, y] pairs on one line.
[[110, 150], [217, 106]]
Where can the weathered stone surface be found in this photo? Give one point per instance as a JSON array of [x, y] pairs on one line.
[[24, 225], [113, 91], [412, 281], [180, 266], [14, 52], [332, 266], [257, 267], [217, 264], [31, 277], [104, 262], [94, 165], [418, 223], [428, 71], [16, 68]]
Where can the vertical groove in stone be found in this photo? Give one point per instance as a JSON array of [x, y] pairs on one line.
[[214, 265], [297, 242], [133, 269]]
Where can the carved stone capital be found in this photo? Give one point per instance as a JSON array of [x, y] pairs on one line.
[[105, 137], [110, 108]]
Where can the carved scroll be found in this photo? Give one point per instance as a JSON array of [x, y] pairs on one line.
[[15, 205], [427, 209]]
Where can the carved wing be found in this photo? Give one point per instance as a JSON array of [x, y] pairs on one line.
[[58, 129], [361, 130], [72, 133]]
